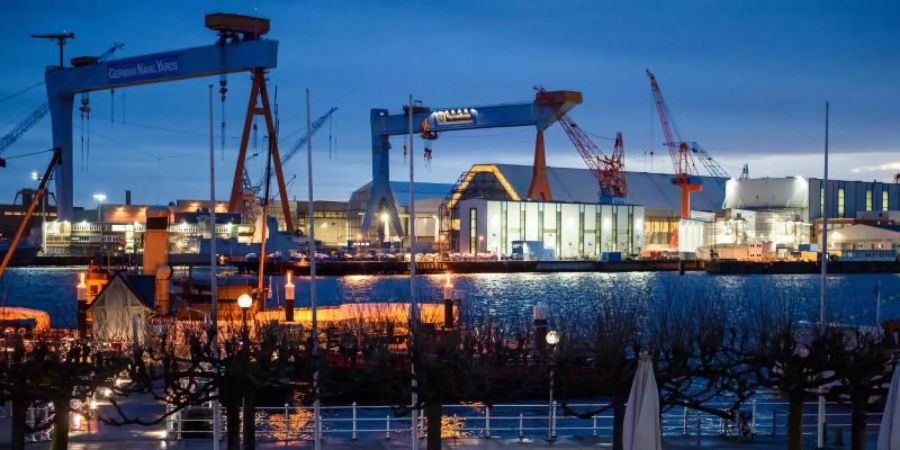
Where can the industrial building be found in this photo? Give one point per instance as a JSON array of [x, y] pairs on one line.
[[645, 222], [428, 198]]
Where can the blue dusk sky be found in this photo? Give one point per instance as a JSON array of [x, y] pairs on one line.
[[748, 80]]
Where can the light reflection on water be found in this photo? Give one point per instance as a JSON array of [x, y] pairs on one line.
[[510, 297]]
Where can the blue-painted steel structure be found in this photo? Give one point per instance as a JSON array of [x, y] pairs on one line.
[[63, 83], [432, 121]]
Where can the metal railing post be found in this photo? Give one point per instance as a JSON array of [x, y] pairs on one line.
[[387, 426], [684, 421], [753, 418], [317, 430], [820, 423], [774, 421], [287, 424], [179, 424], [553, 423], [721, 426], [353, 434], [420, 429], [487, 422], [594, 430], [521, 427]]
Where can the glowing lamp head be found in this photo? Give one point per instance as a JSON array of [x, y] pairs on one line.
[[289, 286], [552, 337], [100, 197], [245, 301], [384, 217], [81, 288]]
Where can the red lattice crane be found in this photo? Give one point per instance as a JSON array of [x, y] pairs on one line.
[[608, 170], [686, 177]]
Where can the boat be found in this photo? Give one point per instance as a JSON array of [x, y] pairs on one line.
[[24, 254]]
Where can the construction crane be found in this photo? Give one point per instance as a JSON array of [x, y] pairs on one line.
[[301, 143], [711, 165], [608, 170], [38, 195], [41, 111], [686, 178]]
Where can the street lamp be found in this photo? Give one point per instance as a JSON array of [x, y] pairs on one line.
[[244, 302], [552, 339], [99, 198]]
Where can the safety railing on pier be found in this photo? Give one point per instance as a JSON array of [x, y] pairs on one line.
[[519, 420]]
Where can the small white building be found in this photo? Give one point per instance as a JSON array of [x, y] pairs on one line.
[[565, 230], [112, 312]]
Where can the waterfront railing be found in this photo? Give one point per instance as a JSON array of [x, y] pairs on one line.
[[508, 421]]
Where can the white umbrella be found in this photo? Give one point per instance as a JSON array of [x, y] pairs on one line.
[[889, 433], [642, 429]]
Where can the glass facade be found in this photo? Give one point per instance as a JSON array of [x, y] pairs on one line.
[[885, 200], [564, 230], [868, 200]]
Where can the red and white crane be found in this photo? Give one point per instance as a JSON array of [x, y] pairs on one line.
[[686, 177], [608, 170]]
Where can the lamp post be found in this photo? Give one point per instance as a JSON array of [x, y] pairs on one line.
[[245, 301], [552, 339], [99, 198], [288, 297]]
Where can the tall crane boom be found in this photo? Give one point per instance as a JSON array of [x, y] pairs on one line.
[[607, 170], [685, 170], [315, 127], [22, 127], [680, 154], [35, 116]]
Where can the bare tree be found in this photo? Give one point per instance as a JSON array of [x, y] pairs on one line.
[[53, 371], [790, 357], [861, 361]]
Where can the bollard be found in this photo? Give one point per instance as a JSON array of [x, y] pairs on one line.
[[387, 426], [684, 421], [521, 427], [594, 429], [487, 422], [353, 434]]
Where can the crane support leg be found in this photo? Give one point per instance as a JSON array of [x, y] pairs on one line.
[[540, 186], [61, 106], [235, 204], [259, 90], [381, 198]]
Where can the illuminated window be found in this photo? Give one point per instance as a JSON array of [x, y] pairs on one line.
[[822, 201], [473, 230], [885, 200], [840, 202], [869, 200]]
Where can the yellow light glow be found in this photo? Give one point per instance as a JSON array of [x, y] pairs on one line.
[[470, 175]]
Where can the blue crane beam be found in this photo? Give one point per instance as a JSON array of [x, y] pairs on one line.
[[535, 114], [64, 82]]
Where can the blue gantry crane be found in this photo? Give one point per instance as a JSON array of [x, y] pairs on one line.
[[240, 48], [430, 122]]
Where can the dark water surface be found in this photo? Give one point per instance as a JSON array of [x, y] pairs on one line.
[[510, 297]]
